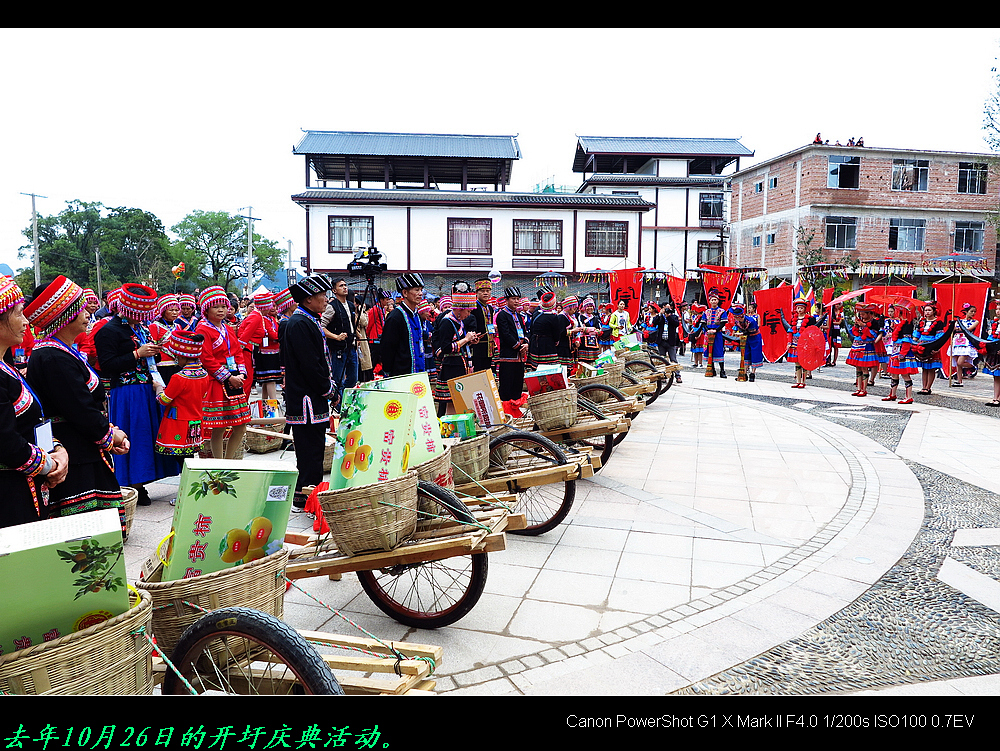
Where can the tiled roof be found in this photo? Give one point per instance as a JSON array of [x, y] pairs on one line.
[[407, 144], [472, 198]]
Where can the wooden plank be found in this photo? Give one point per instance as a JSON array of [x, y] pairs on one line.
[[409, 649]]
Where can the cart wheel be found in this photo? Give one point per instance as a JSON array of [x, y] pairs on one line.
[[637, 368], [434, 593], [606, 443], [247, 652], [544, 506], [656, 360]]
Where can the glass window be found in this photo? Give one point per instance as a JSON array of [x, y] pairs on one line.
[[709, 253], [909, 174], [710, 209], [772, 183], [470, 237], [537, 237], [606, 239], [842, 232], [906, 234], [346, 230], [969, 237], [844, 172], [971, 177]]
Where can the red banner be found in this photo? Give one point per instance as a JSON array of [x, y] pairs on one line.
[[675, 286], [951, 297], [626, 285], [726, 282], [770, 304]]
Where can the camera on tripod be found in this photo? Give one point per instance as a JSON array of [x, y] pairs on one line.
[[367, 261]]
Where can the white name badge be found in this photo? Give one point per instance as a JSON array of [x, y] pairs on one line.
[[265, 342], [43, 436]]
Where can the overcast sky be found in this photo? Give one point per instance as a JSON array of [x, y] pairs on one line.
[[170, 121]]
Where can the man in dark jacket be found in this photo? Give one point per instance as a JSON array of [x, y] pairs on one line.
[[402, 336], [339, 320], [308, 381]]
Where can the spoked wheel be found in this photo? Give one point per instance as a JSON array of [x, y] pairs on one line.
[[601, 443], [546, 505], [638, 369], [432, 594], [657, 360], [247, 652]]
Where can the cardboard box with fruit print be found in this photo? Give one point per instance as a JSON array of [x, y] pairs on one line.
[[59, 576], [374, 438], [426, 429], [228, 512]]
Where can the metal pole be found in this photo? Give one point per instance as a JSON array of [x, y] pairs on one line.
[[250, 220], [34, 236]]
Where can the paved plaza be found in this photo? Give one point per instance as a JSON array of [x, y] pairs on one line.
[[743, 538]]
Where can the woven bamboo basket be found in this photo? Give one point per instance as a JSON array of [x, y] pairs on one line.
[[113, 657], [503, 452], [376, 517], [177, 604], [130, 499], [554, 410], [262, 444], [629, 356], [205, 452], [599, 380], [471, 458], [615, 372], [328, 454], [437, 470]]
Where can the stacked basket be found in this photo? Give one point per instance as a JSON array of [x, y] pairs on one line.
[[130, 499], [554, 410], [113, 657], [470, 458], [438, 470], [370, 518], [257, 443], [598, 380], [615, 371], [177, 604]]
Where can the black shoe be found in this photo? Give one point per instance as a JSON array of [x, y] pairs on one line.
[[144, 499], [751, 376]]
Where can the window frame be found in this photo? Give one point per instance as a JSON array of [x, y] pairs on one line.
[[536, 251], [703, 247], [981, 178], [841, 221], [916, 227], [329, 231], [902, 166], [978, 232], [842, 161], [592, 225], [710, 220], [455, 223]]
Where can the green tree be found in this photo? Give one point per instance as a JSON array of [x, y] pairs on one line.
[[991, 134], [213, 246], [131, 242]]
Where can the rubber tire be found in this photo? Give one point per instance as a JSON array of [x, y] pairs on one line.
[[617, 438], [387, 588], [632, 366], [312, 673], [538, 524], [655, 358]]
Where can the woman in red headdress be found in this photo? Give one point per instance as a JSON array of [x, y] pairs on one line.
[[864, 334], [901, 362]]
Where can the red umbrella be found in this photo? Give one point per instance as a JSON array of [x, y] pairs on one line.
[[848, 296]]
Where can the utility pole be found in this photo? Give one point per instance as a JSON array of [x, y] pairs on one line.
[[34, 236], [250, 220]]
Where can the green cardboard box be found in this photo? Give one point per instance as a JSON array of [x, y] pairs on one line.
[[426, 429], [458, 426], [374, 438], [228, 512], [59, 576]]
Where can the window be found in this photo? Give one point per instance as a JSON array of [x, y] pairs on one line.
[[969, 237], [758, 187], [771, 236], [756, 241], [971, 177], [344, 231], [772, 183], [710, 209], [537, 237], [909, 174], [841, 232], [906, 234], [844, 172], [709, 253], [470, 237], [606, 239]]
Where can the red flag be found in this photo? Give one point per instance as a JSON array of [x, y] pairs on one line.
[[675, 286], [951, 297], [626, 285], [770, 303], [725, 282]]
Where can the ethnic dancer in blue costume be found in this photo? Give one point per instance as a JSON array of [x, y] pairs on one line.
[[402, 343], [929, 336], [752, 351], [865, 332], [989, 350], [713, 321], [801, 320]]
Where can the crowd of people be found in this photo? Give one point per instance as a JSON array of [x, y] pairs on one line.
[[850, 141]]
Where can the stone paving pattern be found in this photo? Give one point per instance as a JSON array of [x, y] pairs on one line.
[[743, 538]]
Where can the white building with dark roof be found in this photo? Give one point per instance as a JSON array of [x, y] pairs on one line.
[[439, 204], [685, 181]]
